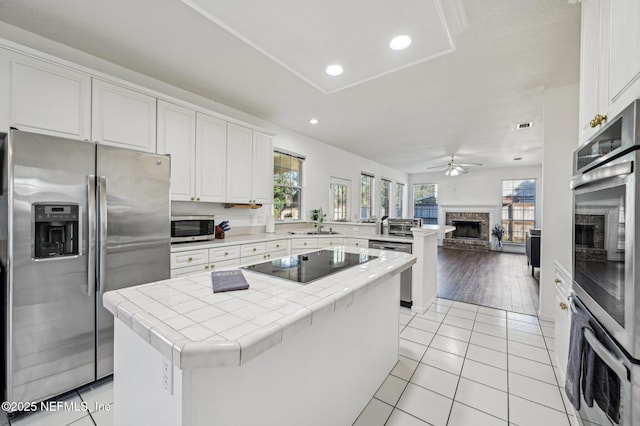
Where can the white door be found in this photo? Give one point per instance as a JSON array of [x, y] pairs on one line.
[[211, 159], [176, 137], [239, 164], [123, 117]]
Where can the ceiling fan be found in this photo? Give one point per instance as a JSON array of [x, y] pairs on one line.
[[452, 168]]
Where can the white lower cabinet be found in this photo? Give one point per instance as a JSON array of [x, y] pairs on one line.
[[247, 250], [223, 264], [562, 317], [356, 242], [299, 245], [330, 242], [188, 270]]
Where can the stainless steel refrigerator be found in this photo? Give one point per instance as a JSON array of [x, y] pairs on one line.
[[77, 219]]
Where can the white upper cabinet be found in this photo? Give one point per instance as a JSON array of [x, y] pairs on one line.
[[593, 67], [249, 166], [123, 117], [211, 159], [624, 43], [176, 137], [197, 145], [47, 98], [262, 168], [610, 61], [239, 164]]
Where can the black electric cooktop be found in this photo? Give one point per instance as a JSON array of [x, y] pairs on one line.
[[308, 267]]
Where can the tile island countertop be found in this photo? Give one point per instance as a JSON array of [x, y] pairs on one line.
[[194, 328]]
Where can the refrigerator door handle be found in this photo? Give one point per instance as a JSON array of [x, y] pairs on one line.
[[102, 229], [91, 246]]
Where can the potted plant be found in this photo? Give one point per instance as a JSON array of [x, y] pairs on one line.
[[318, 217], [498, 232]]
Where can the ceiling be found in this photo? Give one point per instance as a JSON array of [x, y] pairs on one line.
[[475, 68]]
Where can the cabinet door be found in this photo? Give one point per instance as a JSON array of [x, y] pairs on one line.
[[262, 168], [176, 137], [593, 67], [211, 159], [51, 99], [239, 164], [562, 328], [123, 117], [624, 45]]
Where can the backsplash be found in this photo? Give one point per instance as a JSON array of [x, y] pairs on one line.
[[242, 221]]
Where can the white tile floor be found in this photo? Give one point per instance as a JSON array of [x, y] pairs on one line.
[[467, 365], [460, 365]]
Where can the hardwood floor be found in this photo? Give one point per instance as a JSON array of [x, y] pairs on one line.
[[494, 279]]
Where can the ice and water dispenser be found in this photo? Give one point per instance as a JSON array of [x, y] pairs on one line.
[[56, 230]]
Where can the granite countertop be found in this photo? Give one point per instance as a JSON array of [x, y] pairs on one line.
[[260, 238], [194, 328]]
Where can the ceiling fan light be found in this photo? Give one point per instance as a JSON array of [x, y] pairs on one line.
[[452, 171]]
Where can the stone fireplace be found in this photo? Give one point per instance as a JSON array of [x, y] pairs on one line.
[[590, 237], [472, 231]]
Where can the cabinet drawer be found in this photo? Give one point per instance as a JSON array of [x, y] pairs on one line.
[[252, 260], [223, 253], [304, 243], [189, 258], [252, 249], [188, 270], [356, 242], [224, 264], [276, 245], [330, 242], [278, 254]]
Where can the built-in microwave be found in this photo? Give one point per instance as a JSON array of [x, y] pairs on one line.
[[192, 228], [606, 227]]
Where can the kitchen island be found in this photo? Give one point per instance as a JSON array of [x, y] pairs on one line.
[[278, 353]]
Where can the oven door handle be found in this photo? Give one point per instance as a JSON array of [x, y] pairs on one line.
[[602, 173], [615, 364]]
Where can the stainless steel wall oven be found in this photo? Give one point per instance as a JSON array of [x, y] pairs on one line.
[[606, 228]]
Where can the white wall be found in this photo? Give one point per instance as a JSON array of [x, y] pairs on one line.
[[323, 160], [480, 188], [560, 140]]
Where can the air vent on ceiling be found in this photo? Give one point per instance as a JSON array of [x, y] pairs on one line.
[[521, 126]]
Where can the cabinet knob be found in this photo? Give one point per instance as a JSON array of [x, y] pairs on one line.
[[193, 198], [563, 306], [277, 245], [254, 249], [597, 120], [357, 244], [198, 199], [206, 267], [330, 243], [190, 259], [305, 244], [226, 253], [557, 281]]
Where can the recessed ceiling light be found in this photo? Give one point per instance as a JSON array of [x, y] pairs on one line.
[[400, 42], [334, 70], [313, 121]]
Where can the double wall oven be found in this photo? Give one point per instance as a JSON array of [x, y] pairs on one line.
[[606, 259]]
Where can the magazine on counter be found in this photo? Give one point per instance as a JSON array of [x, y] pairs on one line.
[[228, 281]]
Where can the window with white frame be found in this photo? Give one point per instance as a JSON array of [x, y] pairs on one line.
[[287, 185], [425, 202], [385, 194], [518, 208], [339, 199], [399, 198], [366, 195]]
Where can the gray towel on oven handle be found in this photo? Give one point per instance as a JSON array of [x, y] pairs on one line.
[[601, 384], [576, 350]]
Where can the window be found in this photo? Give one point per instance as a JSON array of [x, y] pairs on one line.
[[518, 208], [385, 194], [339, 199], [399, 195], [366, 195], [287, 185], [425, 202]]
